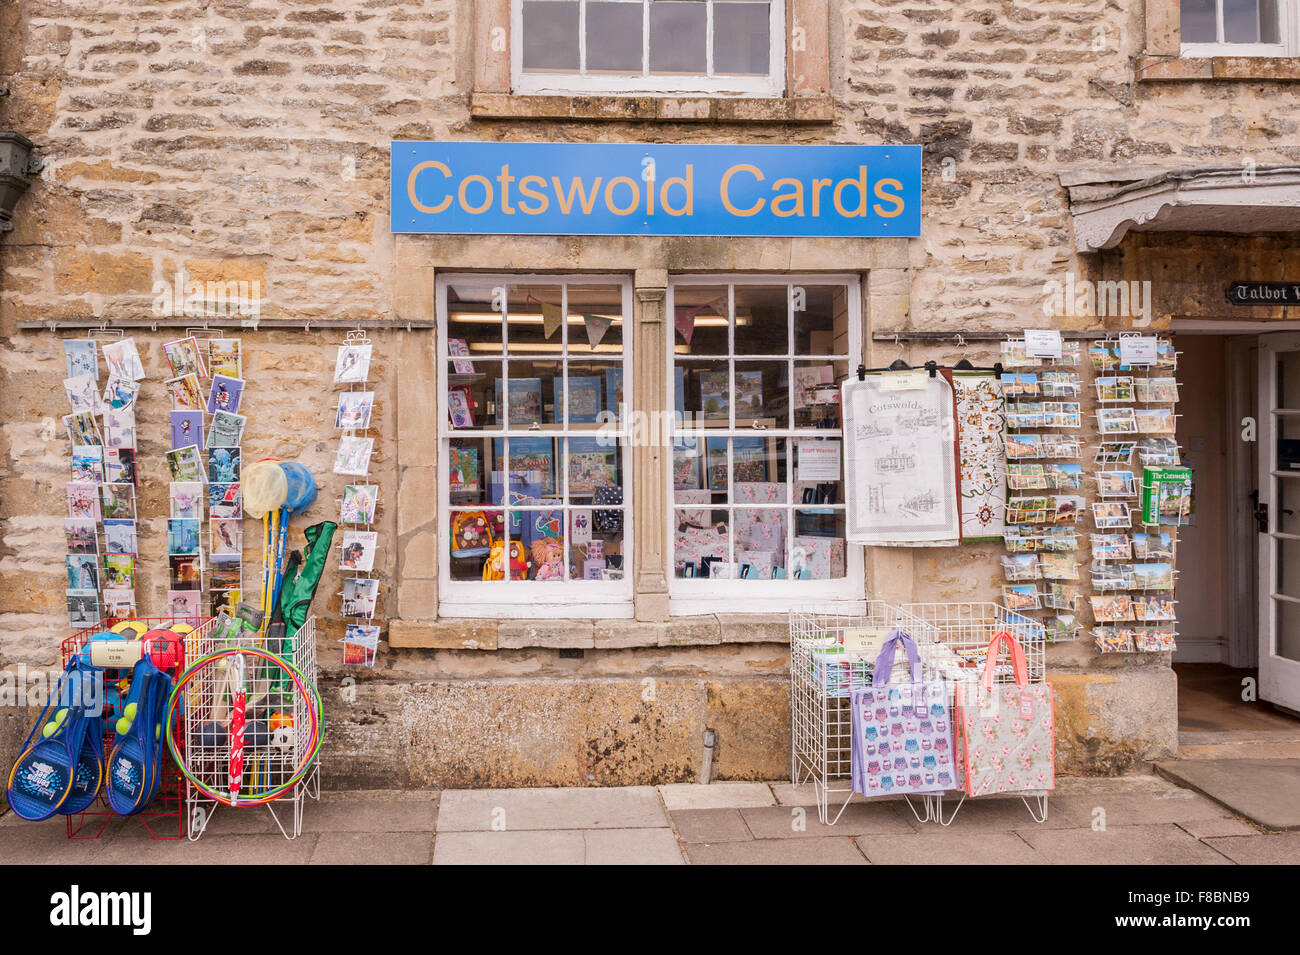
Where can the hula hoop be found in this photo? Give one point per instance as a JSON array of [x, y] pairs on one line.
[[310, 695]]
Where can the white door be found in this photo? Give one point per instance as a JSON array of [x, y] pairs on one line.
[[1279, 540]]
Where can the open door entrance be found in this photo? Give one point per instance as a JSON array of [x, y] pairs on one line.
[[1279, 517]]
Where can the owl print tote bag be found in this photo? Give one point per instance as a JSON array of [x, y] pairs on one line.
[[902, 734], [1005, 731]]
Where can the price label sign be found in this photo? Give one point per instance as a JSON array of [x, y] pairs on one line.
[[1138, 350], [865, 642], [913, 380], [1043, 343]]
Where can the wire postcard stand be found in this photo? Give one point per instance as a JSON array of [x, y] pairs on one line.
[[963, 631], [821, 678], [275, 736]]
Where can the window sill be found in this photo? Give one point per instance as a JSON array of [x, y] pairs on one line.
[[1157, 69], [663, 109]]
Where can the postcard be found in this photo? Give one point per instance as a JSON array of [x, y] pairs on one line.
[[223, 465], [1056, 597], [225, 572], [83, 571], [1157, 390], [1021, 597], [1026, 477], [1112, 608], [83, 608], [224, 501], [119, 602], [185, 573], [1153, 547], [352, 366], [225, 357], [1116, 484], [1155, 421], [82, 428], [83, 500], [82, 535], [1159, 576], [120, 393], [123, 359], [1021, 567], [357, 552], [219, 600], [83, 394], [187, 429], [225, 395], [1111, 514], [1111, 547], [1154, 608], [187, 499], [1064, 477], [81, 356], [185, 464], [1114, 452], [353, 456], [120, 537], [186, 357], [185, 604], [1114, 639], [1020, 385], [226, 430], [119, 570], [1114, 389], [1059, 567], [355, 406], [1116, 421], [1023, 445], [88, 463], [119, 465], [1155, 639], [118, 501], [185, 393], [359, 502], [360, 594], [182, 536], [226, 535], [119, 428], [1061, 384], [360, 643], [1159, 451]]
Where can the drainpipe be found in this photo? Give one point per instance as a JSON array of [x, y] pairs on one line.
[[710, 741]]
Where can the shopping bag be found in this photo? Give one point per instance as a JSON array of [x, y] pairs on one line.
[[902, 734], [1005, 732]]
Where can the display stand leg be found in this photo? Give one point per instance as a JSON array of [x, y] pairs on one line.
[[1037, 808], [938, 816]]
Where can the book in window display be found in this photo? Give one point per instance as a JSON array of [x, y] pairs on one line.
[[715, 395], [460, 407], [525, 401], [528, 455], [583, 393], [686, 463], [591, 465], [749, 395], [462, 472]]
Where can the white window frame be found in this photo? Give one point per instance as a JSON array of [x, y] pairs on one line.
[[527, 598], [1288, 30], [584, 84], [688, 596]]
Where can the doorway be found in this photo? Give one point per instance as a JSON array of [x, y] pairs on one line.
[[1224, 559]]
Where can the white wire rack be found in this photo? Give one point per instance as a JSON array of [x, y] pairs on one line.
[[270, 757], [963, 632], [821, 677]]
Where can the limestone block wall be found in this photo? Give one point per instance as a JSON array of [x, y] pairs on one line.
[[247, 139]]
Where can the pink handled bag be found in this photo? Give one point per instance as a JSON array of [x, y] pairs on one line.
[[1005, 732]]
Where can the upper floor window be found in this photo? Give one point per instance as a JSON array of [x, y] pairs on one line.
[[1239, 28], [715, 47]]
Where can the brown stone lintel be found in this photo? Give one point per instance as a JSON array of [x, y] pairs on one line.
[[484, 634], [663, 109], [1153, 69]]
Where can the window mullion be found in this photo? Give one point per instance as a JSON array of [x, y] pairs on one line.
[[582, 37], [645, 38], [708, 38]]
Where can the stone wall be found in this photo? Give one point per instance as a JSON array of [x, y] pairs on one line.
[[243, 139]]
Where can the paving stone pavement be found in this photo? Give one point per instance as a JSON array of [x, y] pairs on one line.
[[1141, 819]]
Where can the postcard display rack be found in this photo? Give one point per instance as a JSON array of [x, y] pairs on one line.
[[1045, 478], [205, 465], [357, 508], [952, 641], [100, 529], [1144, 495]]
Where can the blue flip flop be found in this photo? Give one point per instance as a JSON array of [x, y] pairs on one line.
[[133, 758], [46, 775]]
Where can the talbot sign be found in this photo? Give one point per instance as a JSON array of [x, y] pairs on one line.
[[1264, 293]]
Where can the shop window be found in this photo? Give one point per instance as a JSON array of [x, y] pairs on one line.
[[757, 513], [1238, 28], [534, 474], [648, 46]]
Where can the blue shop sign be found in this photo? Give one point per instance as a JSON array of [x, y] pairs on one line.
[[481, 188]]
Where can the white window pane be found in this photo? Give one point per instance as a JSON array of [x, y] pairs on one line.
[[1270, 26], [678, 37], [1197, 21], [741, 39], [550, 35], [1241, 21], [614, 37]]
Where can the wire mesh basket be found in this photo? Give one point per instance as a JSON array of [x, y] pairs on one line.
[[963, 632], [822, 675], [275, 737]]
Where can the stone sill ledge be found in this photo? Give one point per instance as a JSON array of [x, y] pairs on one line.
[[1154, 69], [663, 109], [492, 634]]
